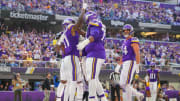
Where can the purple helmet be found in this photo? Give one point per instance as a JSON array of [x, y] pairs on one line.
[[68, 21], [90, 16], [128, 27]]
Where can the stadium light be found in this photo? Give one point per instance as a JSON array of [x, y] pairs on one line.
[[148, 33]]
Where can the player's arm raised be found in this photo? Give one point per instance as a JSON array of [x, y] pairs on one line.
[[78, 25], [81, 32], [80, 20]]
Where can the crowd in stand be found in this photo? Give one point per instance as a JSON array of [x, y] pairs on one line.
[[139, 11], [27, 46], [20, 45], [161, 53]]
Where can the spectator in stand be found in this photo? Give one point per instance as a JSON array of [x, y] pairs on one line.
[[33, 45], [11, 60], [162, 61], [147, 59], [1, 87], [10, 88], [37, 53], [178, 60], [4, 54], [46, 87], [17, 87], [6, 87], [146, 12], [53, 62], [27, 87], [29, 62], [154, 59]]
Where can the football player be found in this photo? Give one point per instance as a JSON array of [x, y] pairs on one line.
[[95, 54]]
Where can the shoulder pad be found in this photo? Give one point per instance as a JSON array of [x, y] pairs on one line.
[[95, 23], [148, 70], [70, 26], [134, 39]]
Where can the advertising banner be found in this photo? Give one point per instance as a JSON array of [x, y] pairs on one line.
[[26, 16]]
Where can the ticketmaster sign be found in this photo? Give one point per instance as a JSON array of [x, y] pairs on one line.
[[5, 69], [20, 15]]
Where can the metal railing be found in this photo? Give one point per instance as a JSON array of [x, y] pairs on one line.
[[29, 63], [57, 64], [145, 40]]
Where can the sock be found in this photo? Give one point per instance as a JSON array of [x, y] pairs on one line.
[[131, 90], [60, 90], [148, 98], [128, 93], [72, 90], [153, 95], [100, 91], [66, 92], [80, 91], [92, 89], [134, 91]]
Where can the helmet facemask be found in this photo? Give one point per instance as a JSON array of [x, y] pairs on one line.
[[128, 30], [67, 22]]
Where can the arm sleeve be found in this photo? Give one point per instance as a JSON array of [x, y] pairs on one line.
[[84, 52]]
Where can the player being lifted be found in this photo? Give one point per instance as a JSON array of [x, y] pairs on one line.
[[95, 54], [130, 63], [70, 68], [154, 81]]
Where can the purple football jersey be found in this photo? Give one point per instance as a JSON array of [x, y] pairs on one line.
[[152, 74], [172, 94], [70, 42], [127, 49], [84, 52], [96, 49]]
